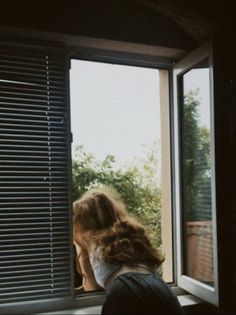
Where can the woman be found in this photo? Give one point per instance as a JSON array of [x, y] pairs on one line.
[[115, 253]]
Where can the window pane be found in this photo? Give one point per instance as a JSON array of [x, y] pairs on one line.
[[117, 137], [196, 174]]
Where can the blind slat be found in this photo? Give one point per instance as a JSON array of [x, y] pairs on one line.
[[31, 234], [23, 125], [57, 275]]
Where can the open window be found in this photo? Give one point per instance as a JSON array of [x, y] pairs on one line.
[[195, 176], [37, 272], [121, 138]]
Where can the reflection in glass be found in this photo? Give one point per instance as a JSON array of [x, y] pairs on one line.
[[196, 174]]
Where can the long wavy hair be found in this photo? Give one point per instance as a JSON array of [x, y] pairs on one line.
[[122, 239]]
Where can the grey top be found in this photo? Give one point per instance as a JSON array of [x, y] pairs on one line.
[[103, 270]]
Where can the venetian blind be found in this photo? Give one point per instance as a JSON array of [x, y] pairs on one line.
[[34, 203]]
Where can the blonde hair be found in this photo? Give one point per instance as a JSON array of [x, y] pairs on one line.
[[122, 239]]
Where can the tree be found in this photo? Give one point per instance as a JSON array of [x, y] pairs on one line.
[[196, 161], [136, 185]]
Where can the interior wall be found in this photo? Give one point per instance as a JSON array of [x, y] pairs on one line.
[[225, 131], [124, 20]]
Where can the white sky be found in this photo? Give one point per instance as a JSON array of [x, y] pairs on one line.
[[114, 108], [199, 78]]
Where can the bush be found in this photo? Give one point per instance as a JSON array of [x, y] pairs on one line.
[[137, 186]]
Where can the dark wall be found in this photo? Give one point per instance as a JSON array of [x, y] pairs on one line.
[[225, 146], [125, 20]]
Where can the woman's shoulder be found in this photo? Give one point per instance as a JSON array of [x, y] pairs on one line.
[[143, 291]]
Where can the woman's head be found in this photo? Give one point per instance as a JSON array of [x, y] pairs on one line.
[[101, 216], [97, 210]]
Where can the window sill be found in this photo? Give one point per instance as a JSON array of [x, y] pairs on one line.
[[188, 302], [84, 310]]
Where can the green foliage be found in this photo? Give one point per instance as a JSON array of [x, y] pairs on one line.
[[197, 163], [136, 185]]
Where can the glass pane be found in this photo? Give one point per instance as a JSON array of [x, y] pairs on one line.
[[196, 174], [116, 125]]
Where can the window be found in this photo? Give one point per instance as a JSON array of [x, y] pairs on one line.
[[195, 183], [37, 272], [35, 262], [119, 118]]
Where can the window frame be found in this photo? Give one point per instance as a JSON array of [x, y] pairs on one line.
[[165, 68], [123, 53], [32, 50], [191, 285]]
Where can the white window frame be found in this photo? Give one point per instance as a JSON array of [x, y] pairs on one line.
[[164, 67], [206, 292]]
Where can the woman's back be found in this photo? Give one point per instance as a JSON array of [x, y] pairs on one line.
[[136, 293]]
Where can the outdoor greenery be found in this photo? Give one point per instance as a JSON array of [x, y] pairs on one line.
[[137, 185], [196, 161]]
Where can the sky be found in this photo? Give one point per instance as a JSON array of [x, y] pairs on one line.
[[199, 78], [114, 108]]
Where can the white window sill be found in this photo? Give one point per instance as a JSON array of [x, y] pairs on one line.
[[185, 300], [85, 310]]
